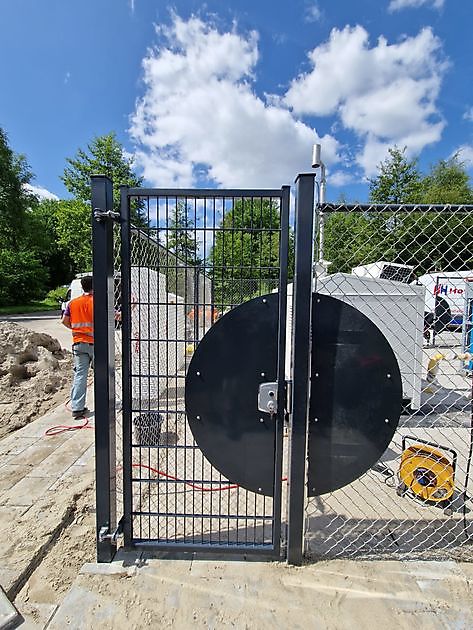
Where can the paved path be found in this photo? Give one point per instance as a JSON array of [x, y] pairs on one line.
[[141, 592], [39, 478]]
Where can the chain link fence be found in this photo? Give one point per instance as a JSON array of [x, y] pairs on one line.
[[408, 270]]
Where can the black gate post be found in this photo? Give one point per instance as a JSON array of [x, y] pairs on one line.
[[104, 366], [301, 354]]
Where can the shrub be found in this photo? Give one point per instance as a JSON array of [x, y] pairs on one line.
[[22, 277], [57, 294]]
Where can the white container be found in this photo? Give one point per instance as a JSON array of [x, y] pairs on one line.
[[396, 308]]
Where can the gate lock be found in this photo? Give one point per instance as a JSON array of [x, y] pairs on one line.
[[268, 398]]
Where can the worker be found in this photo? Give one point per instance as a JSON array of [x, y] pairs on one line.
[[79, 317]]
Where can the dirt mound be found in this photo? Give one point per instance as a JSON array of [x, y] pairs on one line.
[[35, 375]]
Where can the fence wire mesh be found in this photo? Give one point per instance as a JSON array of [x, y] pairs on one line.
[[193, 259], [408, 270]]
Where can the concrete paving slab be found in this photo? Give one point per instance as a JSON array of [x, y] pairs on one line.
[[26, 492], [59, 460], [8, 613], [336, 594], [12, 445]]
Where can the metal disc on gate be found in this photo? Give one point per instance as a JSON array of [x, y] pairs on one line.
[[237, 354], [356, 395]]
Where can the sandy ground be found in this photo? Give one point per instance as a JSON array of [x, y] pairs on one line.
[[141, 592], [35, 375], [49, 583]]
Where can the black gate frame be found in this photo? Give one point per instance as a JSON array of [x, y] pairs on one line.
[[105, 415], [294, 406]]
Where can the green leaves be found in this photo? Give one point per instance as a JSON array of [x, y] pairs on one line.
[[104, 156]]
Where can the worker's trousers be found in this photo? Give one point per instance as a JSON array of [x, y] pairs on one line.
[[83, 356]]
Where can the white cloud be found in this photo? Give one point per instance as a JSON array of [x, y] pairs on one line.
[[341, 178], [385, 94], [468, 115], [397, 5], [465, 155], [40, 192], [313, 12], [200, 114]]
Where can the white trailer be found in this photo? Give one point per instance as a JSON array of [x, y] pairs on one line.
[[448, 286]]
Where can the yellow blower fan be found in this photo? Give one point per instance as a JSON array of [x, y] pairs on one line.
[[427, 473]]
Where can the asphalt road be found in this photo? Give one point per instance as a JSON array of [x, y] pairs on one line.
[[48, 322]]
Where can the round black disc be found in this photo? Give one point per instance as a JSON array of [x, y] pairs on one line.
[[356, 395], [237, 354]]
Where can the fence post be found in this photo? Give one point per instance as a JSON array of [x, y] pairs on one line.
[[301, 354], [104, 366]]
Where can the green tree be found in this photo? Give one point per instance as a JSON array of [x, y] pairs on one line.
[[181, 235], [22, 277], [398, 180], [104, 156], [43, 239], [245, 256], [15, 199], [447, 182], [74, 232], [439, 240]]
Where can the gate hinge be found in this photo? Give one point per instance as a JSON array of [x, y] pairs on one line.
[[104, 533], [268, 398], [102, 215]]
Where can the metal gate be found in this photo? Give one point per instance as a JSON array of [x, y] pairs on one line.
[[251, 401], [187, 260]]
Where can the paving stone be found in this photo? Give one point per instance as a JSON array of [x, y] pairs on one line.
[[9, 447], [35, 454], [10, 475], [26, 492]]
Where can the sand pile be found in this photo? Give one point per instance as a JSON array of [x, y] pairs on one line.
[[35, 375]]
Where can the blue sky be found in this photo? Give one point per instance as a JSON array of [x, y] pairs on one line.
[[235, 96]]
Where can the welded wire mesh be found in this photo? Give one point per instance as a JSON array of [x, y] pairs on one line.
[[408, 270], [196, 259], [117, 307]]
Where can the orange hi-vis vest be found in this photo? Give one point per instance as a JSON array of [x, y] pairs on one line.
[[82, 318]]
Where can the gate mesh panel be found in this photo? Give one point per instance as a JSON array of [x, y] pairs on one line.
[[377, 515], [198, 258]]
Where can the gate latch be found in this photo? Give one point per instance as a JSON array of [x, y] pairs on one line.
[[268, 398]]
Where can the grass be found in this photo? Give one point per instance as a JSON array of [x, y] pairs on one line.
[[33, 307]]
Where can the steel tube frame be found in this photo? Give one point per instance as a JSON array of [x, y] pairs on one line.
[[104, 368], [125, 273], [301, 353]]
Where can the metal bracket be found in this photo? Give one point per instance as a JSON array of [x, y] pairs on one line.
[[101, 215], [268, 398], [104, 533]]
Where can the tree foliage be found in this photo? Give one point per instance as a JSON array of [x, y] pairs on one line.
[[426, 240], [15, 199], [180, 235], [104, 156], [398, 180], [245, 256], [22, 277]]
